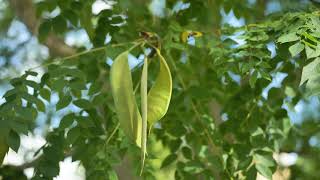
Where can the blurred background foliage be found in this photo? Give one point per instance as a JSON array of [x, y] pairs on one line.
[[245, 99]]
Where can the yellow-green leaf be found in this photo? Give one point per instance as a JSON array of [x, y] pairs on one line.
[[124, 99], [3, 149], [159, 95], [186, 34], [144, 111]]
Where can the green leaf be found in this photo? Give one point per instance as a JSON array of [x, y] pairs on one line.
[[32, 84], [78, 85], [187, 152], [312, 53], [193, 167], [253, 79], [85, 20], [296, 49], [59, 24], [31, 73], [71, 16], [63, 102], [83, 103], [44, 79], [16, 81], [40, 105], [116, 20], [288, 38], [124, 99], [44, 30], [311, 74], [251, 173], [159, 95], [264, 171], [112, 175], [31, 99], [11, 92], [26, 113], [45, 93], [266, 160], [286, 125], [57, 72], [66, 121], [13, 141], [264, 75], [263, 163], [59, 84], [49, 170], [73, 135], [18, 126], [95, 88], [85, 122], [169, 160], [3, 148]]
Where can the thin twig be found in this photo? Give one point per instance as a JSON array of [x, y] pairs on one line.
[[57, 60]]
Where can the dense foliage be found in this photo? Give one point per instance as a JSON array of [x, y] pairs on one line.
[[223, 121]]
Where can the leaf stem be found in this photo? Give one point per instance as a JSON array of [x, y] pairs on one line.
[[113, 132]]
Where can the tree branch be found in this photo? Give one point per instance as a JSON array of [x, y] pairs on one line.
[[26, 12]]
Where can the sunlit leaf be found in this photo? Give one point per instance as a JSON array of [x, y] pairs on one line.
[[311, 75], [296, 49], [288, 38], [144, 110], [159, 95]]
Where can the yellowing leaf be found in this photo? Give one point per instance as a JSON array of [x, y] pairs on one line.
[[124, 99], [144, 111], [186, 34], [3, 149], [159, 95], [196, 34]]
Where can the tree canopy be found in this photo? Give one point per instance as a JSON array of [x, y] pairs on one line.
[[164, 89]]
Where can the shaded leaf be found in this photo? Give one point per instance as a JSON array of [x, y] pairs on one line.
[[63, 102], [44, 30], [73, 135], [169, 160], [13, 141], [83, 103], [124, 100], [45, 93], [85, 122], [3, 148], [66, 121]]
